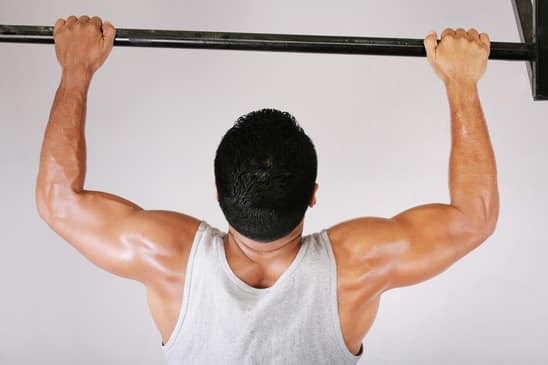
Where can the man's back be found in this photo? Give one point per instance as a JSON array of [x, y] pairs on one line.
[[224, 319], [372, 254], [364, 270]]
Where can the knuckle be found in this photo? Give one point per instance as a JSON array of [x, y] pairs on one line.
[[447, 32]]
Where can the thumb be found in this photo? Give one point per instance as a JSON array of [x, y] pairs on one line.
[[430, 44], [109, 33]]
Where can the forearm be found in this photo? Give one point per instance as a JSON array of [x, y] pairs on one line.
[[63, 156], [472, 170]]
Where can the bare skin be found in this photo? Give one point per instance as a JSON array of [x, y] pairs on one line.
[[373, 254]]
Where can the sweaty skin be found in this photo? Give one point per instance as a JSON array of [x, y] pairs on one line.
[[373, 254]]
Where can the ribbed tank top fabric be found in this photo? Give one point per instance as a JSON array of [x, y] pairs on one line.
[[223, 320]]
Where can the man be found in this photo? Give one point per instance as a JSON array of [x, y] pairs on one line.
[[262, 293]]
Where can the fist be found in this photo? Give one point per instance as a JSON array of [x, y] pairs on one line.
[[460, 56], [83, 44]]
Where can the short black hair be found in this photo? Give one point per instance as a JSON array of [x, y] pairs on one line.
[[265, 171]]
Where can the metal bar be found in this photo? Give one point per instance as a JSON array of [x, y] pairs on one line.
[[262, 42], [523, 10], [540, 39], [533, 29]]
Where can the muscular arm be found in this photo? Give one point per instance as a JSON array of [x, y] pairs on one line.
[[421, 242], [437, 235], [112, 232]]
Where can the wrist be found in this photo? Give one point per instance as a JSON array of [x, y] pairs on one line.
[[461, 89], [76, 79], [461, 86]]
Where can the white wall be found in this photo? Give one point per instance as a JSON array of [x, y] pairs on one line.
[[381, 129]]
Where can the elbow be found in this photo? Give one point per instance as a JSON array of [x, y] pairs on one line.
[[487, 229], [487, 222], [481, 222], [40, 200], [42, 207], [490, 215], [483, 213], [55, 202]]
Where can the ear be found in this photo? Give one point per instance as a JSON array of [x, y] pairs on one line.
[[313, 200]]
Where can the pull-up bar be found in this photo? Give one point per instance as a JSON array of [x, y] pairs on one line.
[[533, 25], [262, 42]]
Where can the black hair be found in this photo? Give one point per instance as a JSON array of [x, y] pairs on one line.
[[265, 170]]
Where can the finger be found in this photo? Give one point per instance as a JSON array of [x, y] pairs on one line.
[[109, 32], [484, 38], [58, 24], [460, 33], [472, 34], [446, 32], [430, 44], [71, 20], [83, 19], [97, 21]]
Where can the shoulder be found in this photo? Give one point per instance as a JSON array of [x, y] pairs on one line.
[[168, 230], [370, 240], [167, 238]]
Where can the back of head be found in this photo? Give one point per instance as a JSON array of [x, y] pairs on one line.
[[265, 170]]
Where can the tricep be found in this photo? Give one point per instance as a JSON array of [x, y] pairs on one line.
[[119, 236], [412, 246]]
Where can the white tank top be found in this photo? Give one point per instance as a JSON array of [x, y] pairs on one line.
[[223, 320]]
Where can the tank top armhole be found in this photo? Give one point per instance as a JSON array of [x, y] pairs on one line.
[[186, 290], [334, 305]]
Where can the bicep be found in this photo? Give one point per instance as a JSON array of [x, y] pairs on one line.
[[118, 235]]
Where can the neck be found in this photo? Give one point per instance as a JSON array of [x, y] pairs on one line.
[[261, 263], [264, 252]]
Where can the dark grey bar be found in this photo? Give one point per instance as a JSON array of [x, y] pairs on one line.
[[532, 20], [262, 42], [540, 63], [523, 10]]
